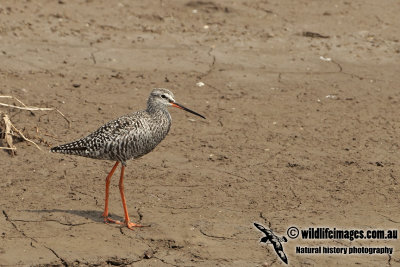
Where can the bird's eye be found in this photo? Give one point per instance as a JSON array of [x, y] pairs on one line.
[[163, 96]]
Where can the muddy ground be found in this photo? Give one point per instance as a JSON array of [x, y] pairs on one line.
[[303, 127]]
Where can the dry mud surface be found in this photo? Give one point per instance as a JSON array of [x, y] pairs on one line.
[[303, 127]]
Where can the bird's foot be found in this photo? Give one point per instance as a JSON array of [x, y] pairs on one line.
[[128, 223], [132, 225], [109, 220]]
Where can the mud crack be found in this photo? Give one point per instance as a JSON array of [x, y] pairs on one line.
[[388, 218], [350, 74], [340, 70], [232, 174], [51, 220], [121, 262], [15, 226], [211, 66], [64, 263], [164, 261], [214, 236], [296, 197], [33, 240]]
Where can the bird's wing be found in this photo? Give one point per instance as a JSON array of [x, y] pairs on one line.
[[118, 129], [279, 250], [128, 128], [260, 227]]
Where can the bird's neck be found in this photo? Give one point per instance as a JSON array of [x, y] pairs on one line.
[[156, 109], [153, 106]]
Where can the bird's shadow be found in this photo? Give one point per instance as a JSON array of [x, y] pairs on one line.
[[94, 215]]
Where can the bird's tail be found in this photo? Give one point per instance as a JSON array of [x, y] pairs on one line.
[[74, 148]]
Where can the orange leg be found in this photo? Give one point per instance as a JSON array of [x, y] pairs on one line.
[[128, 222], [108, 180]]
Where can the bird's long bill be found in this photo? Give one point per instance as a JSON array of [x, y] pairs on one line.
[[186, 109]]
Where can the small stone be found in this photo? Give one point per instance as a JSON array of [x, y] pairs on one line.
[[148, 254]]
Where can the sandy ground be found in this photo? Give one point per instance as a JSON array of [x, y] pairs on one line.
[[302, 129]]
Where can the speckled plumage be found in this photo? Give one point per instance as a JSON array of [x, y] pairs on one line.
[[127, 137]]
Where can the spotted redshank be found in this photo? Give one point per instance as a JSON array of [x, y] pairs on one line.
[[128, 137]]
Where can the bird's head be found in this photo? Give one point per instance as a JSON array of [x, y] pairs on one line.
[[164, 97]]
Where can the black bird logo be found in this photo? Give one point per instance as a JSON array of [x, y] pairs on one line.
[[275, 241]]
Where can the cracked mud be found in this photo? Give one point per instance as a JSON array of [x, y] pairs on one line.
[[302, 105]]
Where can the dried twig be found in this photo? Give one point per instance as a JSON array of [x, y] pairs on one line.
[[8, 133], [7, 148], [12, 97], [23, 137], [9, 130], [25, 107]]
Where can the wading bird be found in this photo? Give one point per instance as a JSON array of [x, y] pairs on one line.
[[128, 137]]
